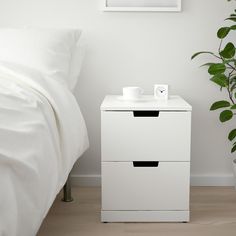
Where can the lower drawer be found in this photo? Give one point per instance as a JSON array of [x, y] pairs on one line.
[[145, 186]]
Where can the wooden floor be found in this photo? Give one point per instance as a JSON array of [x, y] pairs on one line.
[[213, 213]]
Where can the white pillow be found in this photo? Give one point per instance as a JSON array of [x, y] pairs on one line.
[[76, 63], [47, 50]]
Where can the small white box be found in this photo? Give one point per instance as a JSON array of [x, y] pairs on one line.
[[161, 91]]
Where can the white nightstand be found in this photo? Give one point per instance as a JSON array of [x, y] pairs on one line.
[[145, 160]]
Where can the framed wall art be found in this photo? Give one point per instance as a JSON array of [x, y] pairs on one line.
[[142, 5]]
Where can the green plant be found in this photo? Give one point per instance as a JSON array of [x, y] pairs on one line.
[[223, 74]]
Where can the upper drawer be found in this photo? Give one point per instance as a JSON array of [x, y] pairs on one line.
[[126, 137]]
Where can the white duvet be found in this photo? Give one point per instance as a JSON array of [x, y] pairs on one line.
[[42, 134]]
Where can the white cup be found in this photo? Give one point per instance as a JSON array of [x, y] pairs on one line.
[[132, 93]]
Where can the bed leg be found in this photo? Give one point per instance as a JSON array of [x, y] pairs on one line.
[[67, 191]]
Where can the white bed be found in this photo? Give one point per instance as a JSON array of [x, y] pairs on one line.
[[42, 132]]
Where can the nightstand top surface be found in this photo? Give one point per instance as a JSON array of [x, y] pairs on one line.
[[147, 102]]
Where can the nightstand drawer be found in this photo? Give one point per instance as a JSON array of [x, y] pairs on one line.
[[143, 186], [149, 135]]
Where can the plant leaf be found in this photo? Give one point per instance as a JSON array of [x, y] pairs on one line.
[[226, 115], [223, 32], [207, 64], [198, 53], [220, 79], [232, 135], [233, 149], [229, 51], [231, 18], [219, 104], [229, 61], [217, 68], [233, 79], [233, 87], [233, 107]]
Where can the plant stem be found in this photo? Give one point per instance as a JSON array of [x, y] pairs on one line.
[[230, 96], [228, 87], [219, 49]]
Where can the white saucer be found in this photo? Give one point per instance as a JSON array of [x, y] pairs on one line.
[[141, 99]]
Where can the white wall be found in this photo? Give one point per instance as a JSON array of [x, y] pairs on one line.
[[141, 49]]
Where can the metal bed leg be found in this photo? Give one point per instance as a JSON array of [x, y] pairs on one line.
[[67, 191]]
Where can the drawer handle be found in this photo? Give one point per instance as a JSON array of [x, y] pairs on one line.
[[146, 113], [145, 163]]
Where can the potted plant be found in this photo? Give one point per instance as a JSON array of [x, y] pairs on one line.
[[222, 72]]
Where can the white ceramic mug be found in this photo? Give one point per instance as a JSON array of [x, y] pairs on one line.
[[132, 93]]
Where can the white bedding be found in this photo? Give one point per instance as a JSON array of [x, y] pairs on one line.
[[42, 134]]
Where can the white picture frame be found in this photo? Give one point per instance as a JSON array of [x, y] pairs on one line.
[[162, 8]]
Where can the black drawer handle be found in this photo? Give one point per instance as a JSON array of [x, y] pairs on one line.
[[146, 113], [145, 163]]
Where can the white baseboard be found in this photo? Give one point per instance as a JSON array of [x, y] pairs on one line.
[[196, 180], [212, 180], [86, 180]]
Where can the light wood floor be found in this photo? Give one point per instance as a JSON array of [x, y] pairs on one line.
[[213, 213]]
